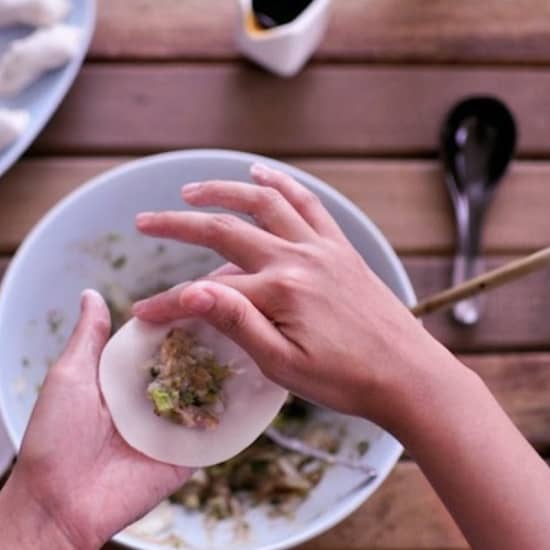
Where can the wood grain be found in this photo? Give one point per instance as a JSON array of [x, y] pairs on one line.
[[518, 222], [327, 110], [32, 187], [404, 513], [513, 314], [360, 30], [521, 384]]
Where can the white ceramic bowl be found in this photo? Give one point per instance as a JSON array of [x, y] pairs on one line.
[[80, 244]]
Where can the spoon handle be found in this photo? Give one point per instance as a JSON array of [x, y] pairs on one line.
[[468, 263], [466, 267], [487, 281], [298, 446]]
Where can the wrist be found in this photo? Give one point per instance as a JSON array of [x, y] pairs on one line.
[[434, 401], [411, 392], [26, 523]]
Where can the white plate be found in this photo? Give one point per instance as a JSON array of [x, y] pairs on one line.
[[44, 96], [71, 250]]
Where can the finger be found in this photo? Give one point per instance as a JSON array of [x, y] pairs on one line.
[[166, 307], [238, 241], [162, 307], [306, 203], [234, 315], [269, 208], [89, 336], [226, 269]]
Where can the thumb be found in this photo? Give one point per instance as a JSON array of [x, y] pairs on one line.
[[234, 315], [90, 334]]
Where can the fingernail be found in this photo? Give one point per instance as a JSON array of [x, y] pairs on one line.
[[259, 170], [83, 299], [190, 188], [88, 294], [200, 301], [144, 217]]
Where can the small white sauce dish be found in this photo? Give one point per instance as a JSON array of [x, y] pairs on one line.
[[285, 49]]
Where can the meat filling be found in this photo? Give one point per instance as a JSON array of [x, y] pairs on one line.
[[187, 382]]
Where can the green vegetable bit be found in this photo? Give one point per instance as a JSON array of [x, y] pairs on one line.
[[362, 447], [163, 400], [119, 263]]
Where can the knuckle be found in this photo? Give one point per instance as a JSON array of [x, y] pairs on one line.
[[219, 225], [101, 328], [290, 281], [218, 190], [269, 198], [279, 367], [311, 255], [306, 200], [233, 319], [268, 202]]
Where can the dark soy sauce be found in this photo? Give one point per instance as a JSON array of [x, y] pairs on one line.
[[272, 13]]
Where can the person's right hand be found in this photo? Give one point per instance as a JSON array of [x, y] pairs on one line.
[[317, 320], [297, 297]]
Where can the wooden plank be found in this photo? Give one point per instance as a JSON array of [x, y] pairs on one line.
[[514, 317], [327, 110], [32, 187], [518, 221], [404, 513], [373, 30], [521, 384]]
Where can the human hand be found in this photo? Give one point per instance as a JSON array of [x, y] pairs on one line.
[[297, 297], [76, 481]]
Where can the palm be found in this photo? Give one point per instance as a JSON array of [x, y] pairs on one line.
[[75, 460]]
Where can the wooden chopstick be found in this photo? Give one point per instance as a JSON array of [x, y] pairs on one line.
[[482, 283]]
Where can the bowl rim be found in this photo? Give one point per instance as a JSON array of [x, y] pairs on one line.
[[348, 504]]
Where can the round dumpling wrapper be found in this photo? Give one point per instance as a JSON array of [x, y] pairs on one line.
[[251, 400]]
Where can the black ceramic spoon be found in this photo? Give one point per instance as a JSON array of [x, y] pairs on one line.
[[478, 140]]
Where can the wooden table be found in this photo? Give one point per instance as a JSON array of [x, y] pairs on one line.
[[364, 116]]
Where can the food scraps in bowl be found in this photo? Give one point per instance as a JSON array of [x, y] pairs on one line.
[[265, 473]]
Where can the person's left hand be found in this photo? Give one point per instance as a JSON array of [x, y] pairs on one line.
[[74, 472]]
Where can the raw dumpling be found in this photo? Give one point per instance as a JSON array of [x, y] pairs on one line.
[[251, 401], [28, 58], [12, 124], [33, 12]]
